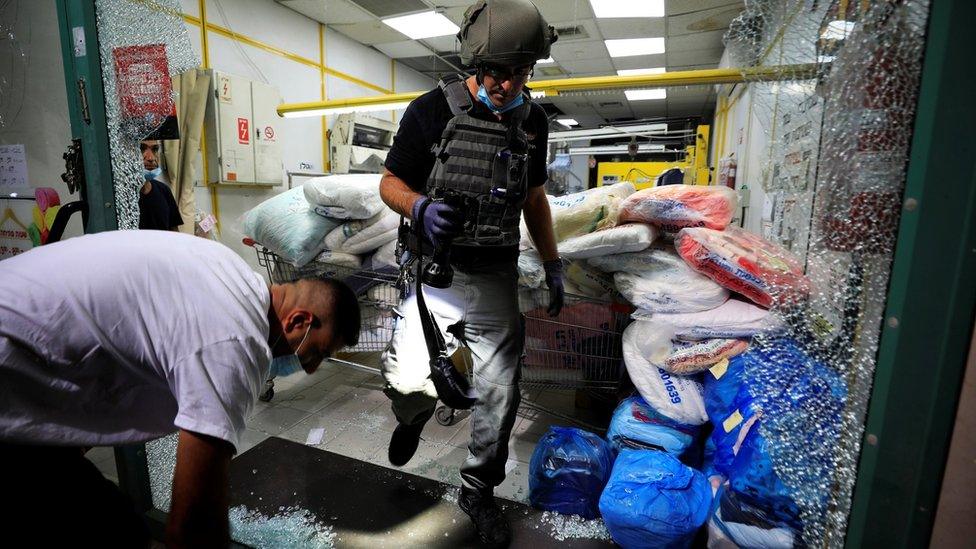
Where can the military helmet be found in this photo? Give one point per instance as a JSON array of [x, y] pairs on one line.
[[509, 33]]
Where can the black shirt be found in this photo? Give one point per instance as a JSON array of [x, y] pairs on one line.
[[158, 209], [421, 128]]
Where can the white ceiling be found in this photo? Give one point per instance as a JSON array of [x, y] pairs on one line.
[[692, 29]]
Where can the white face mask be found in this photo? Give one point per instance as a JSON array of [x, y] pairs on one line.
[[287, 365]]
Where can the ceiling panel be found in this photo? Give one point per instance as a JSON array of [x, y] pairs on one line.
[[707, 57], [564, 10], [579, 49], [387, 8], [329, 12], [406, 48], [370, 32], [588, 66], [631, 28], [688, 6], [695, 42], [641, 61], [442, 43], [703, 21]]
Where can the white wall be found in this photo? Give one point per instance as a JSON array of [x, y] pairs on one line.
[[301, 138], [42, 124]]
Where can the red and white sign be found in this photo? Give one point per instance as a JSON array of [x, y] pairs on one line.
[[269, 133], [243, 131], [143, 84]]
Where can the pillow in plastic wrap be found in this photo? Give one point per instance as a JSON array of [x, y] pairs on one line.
[[385, 256], [688, 358], [674, 207], [764, 272], [621, 239], [589, 282], [667, 285], [568, 471], [646, 345], [345, 196], [530, 269], [587, 211], [339, 259], [735, 523], [364, 235], [636, 425], [652, 500], [733, 319], [287, 226]]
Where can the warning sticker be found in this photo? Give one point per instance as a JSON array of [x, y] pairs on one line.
[[243, 131], [224, 89], [720, 368]]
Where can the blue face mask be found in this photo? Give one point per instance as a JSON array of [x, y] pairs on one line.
[[287, 365], [152, 174], [483, 97]]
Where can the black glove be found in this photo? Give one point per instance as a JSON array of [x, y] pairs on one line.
[[554, 280]]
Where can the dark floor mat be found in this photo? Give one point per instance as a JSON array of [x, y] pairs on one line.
[[371, 506]]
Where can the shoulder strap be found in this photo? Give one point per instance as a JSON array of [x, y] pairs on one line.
[[456, 92]]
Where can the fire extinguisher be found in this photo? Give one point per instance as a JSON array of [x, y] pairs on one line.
[[726, 171]]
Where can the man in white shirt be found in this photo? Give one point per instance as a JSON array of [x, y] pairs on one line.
[[122, 337]]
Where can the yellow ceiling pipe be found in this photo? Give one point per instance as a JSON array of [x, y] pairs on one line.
[[554, 87]]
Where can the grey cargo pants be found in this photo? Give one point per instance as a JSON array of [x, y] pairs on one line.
[[480, 310]]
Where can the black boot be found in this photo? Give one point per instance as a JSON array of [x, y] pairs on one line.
[[403, 443], [492, 526]]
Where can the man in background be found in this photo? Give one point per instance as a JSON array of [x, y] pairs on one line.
[[157, 207]]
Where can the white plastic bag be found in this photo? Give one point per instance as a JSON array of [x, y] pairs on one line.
[[733, 319], [531, 272], [339, 259], [364, 235], [385, 256], [658, 280], [347, 196], [287, 226], [587, 211], [625, 238], [646, 345]]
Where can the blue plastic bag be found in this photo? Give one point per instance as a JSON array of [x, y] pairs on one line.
[[568, 471], [287, 225], [653, 500], [735, 521], [636, 425]]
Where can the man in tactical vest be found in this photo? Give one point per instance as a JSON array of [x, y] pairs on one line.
[[469, 158]]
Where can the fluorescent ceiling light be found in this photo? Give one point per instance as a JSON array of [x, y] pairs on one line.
[[643, 95], [638, 72], [568, 122], [627, 8], [343, 110], [628, 47], [838, 30], [615, 149], [608, 131], [537, 94], [546, 61], [423, 25]]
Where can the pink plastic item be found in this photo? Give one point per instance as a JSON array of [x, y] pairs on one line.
[[675, 207]]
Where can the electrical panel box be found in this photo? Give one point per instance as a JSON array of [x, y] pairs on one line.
[[243, 132]]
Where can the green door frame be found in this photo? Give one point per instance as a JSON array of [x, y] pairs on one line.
[[86, 108], [931, 301]]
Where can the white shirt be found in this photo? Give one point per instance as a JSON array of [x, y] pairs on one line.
[[125, 336]]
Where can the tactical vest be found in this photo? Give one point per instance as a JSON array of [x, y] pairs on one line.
[[481, 168]]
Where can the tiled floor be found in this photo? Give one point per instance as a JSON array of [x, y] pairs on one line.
[[344, 410]]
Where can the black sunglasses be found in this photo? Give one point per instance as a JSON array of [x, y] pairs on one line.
[[501, 74]]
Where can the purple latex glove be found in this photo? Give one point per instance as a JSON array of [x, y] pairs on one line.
[[441, 222], [554, 280]]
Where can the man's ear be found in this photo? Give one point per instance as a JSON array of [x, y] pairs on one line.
[[299, 319]]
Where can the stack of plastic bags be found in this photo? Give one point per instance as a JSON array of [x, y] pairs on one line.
[[338, 220], [675, 207]]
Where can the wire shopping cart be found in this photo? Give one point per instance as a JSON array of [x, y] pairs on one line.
[[580, 349]]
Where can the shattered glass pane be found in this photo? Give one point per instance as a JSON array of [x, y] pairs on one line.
[[142, 44], [15, 39], [837, 131]]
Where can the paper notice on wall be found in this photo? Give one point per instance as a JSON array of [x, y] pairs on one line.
[[13, 169]]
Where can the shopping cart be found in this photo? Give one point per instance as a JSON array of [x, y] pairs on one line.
[[580, 349]]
